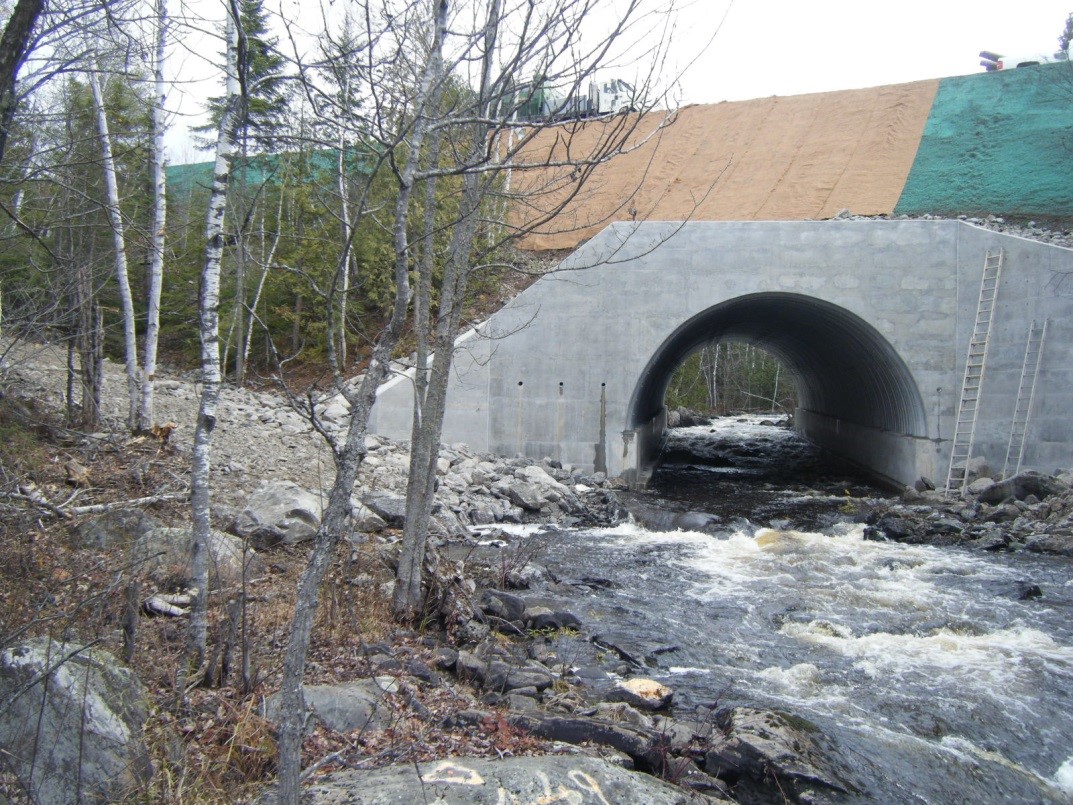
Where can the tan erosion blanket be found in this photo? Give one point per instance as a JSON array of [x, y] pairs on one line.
[[770, 159]]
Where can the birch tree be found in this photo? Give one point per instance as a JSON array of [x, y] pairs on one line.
[[159, 220], [209, 330], [115, 219]]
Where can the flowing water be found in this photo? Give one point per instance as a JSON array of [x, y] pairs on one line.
[[937, 683]]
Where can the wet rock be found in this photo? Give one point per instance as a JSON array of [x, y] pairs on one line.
[[559, 619], [1027, 591], [774, 754], [614, 645], [279, 513], [71, 723], [644, 694], [1061, 544], [993, 541], [889, 527], [695, 521], [502, 604]]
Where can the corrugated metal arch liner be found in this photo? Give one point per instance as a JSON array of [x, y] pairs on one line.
[[843, 367]]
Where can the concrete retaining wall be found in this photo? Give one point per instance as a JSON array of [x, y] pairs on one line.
[[872, 317]]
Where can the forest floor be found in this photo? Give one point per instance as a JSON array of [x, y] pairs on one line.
[[211, 744]]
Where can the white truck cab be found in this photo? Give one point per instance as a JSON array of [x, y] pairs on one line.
[[991, 61]]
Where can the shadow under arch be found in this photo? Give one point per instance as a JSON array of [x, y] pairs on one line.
[[849, 378]]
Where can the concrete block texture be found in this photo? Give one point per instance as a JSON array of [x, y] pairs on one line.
[[872, 318]]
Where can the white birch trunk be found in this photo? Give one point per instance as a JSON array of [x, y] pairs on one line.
[[209, 325], [348, 237], [115, 218], [156, 242]]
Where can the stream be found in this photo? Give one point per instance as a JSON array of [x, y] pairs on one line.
[[936, 682]]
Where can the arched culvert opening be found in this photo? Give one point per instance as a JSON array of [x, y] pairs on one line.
[[856, 396]]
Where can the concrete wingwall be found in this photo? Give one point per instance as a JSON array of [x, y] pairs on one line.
[[873, 319]]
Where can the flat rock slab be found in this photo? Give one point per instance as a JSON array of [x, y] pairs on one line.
[[475, 781]]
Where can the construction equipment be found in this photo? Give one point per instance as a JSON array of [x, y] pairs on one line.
[[965, 427], [1026, 392]]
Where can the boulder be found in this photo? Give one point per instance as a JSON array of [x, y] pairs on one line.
[[71, 723], [1021, 486], [279, 512], [387, 505], [336, 410], [481, 781], [1061, 544], [502, 605], [119, 527], [358, 705], [539, 476], [775, 754], [644, 694], [647, 747], [557, 619], [365, 519], [500, 676], [165, 553], [527, 496]]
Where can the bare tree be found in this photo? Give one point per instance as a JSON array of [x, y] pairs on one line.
[[115, 219], [16, 39], [491, 140], [442, 112], [159, 218], [209, 327]]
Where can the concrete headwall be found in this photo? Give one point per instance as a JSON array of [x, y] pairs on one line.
[[873, 319]]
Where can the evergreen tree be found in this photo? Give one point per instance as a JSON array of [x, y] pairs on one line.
[[259, 121]]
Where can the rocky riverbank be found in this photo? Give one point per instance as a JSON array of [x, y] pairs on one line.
[[1030, 511]]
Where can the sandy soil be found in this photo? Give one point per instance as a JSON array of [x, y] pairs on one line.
[[778, 158]]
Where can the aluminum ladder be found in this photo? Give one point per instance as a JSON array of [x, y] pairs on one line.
[[965, 428], [1026, 392]]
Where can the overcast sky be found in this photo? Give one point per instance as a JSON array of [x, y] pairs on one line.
[[790, 47]]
